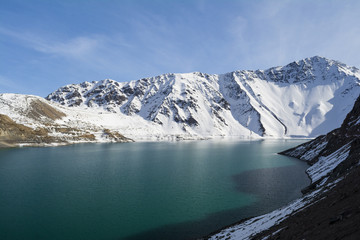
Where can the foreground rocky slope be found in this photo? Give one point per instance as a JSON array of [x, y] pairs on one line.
[[330, 207], [304, 98]]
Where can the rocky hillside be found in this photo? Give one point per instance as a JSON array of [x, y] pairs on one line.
[[302, 99], [327, 152], [330, 206], [33, 121]]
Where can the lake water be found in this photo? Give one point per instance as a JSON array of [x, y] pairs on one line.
[[180, 190]]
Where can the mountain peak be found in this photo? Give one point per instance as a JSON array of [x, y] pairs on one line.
[[318, 58]]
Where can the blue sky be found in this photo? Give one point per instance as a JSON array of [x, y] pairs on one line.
[[45, 44]]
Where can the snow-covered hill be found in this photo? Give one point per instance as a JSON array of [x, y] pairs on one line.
[[304, 98], [27, 120]]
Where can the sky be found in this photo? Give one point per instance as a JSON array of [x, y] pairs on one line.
[[46, 44]]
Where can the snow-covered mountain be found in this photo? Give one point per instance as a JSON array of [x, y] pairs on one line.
[[304, 98]]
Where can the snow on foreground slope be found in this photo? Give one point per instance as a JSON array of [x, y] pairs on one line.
[[333, 157], [304, 98], [253, 226]]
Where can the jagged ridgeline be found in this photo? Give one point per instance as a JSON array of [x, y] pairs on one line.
[[306, 98], [302, 99]]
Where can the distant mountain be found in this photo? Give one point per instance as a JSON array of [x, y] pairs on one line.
[[305, 98]]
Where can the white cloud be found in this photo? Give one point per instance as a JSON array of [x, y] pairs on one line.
[[77, 47]]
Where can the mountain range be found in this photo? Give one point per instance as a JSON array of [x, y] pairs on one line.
[[305, 98]]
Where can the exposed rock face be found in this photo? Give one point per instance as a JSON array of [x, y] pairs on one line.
[[39, 109], [304, 98], [12, 133]]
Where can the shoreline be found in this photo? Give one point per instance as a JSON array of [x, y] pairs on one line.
[[241, 221], [173, 139]]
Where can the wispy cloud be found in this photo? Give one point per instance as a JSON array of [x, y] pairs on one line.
[[76, 47], [153, 45], [281, 31]]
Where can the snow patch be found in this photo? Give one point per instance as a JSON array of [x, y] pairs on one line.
[[326, 164], [249, 228]]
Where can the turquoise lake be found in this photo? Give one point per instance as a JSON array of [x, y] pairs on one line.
[[150, 190]]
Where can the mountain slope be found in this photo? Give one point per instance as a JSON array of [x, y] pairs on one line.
[[27, 120], [304, 98], [340, 147], [335, 173], [330, 207]]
